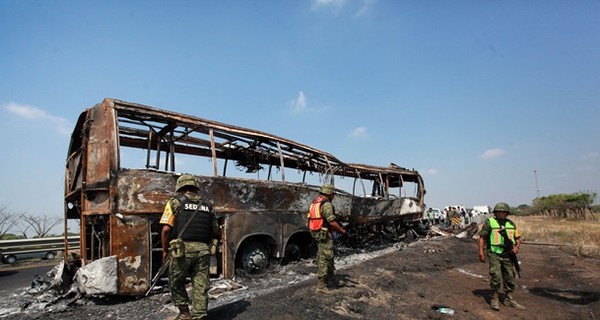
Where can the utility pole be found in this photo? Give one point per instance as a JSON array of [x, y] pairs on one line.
[[537, 188]]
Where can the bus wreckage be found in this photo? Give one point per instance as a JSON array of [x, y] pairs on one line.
[[123, 162]]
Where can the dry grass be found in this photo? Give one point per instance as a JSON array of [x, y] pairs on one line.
[[581, 237]]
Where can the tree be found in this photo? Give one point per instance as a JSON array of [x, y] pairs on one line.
[[519, 210], [40, 225], [574, 205], [7, 221]]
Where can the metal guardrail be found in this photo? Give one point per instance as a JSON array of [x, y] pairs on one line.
[[38, 245]]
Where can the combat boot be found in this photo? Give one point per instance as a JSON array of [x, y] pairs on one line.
[[184, 313], [510, 302], [495, 301], [322, 286]]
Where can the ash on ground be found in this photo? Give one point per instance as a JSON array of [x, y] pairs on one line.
[[44, 299]]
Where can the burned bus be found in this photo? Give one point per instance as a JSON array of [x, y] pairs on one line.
[[124, 159]]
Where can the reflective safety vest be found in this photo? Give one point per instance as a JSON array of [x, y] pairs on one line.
[[315, 219], [456, 220], [496, 239]]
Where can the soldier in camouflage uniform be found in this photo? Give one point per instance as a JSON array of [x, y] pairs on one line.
[[454, 219], [193, 259], [500, 266], [322, 214]]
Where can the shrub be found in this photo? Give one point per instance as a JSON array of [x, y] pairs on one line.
[[576, 205]]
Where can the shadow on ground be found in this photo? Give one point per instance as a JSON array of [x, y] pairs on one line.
[[569, 296], [229, 311]]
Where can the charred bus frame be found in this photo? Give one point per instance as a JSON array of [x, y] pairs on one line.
[[118, 208]]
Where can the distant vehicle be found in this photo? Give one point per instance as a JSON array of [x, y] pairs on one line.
[[479, 210], [12, 258]]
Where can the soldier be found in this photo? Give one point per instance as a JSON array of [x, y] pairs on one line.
[[322, 223], [454, 219], [501, 267], [189, 254], [430, 217]]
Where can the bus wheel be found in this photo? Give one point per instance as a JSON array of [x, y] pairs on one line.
[[255, 258], [293, 252]]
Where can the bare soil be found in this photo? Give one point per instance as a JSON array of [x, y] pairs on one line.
[[401, 282]]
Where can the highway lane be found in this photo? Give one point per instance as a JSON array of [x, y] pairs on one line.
[[14, 280]]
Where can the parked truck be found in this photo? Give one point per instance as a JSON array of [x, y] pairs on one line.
[[481, 209]]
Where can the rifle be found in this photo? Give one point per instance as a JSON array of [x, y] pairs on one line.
[[162, 270], [167, 262], [508, 247]]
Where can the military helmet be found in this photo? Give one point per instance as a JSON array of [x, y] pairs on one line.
[[186, 180], [327, 189], [502, 206]]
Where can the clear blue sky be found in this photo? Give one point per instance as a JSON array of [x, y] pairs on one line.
[[473, 94]]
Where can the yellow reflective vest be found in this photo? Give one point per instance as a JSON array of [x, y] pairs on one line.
[[496, 239]]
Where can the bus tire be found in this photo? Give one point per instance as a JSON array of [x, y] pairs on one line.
[[293, 252], [254, 258]]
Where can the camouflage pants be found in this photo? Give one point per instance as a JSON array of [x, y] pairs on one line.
[[325, 265], [195, 265], [501, 272]]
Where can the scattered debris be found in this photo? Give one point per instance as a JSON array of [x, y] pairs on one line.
[[399, 281], [444, 310], [436, 231], [96, 282], [98, 277], [222, 286], [470, 273]]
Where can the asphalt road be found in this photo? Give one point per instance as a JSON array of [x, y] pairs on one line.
[[16, 279]]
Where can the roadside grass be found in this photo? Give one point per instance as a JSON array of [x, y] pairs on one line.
[[580, 237]]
